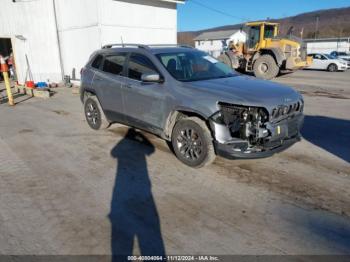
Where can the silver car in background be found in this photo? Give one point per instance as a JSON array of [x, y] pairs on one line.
[[342, 56]]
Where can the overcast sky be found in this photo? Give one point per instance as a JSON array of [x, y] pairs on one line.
[[198, 14]]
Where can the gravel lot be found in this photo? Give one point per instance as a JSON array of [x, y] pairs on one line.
[[66, 189]]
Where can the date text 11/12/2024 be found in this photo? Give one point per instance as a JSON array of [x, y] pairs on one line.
[[173, 258]]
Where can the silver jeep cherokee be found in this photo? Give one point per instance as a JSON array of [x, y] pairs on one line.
[[189, 98]]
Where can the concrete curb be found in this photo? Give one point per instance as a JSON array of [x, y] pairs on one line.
[[33, 92]]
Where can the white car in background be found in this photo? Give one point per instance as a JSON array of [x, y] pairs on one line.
[[327, 62], [348, 63]]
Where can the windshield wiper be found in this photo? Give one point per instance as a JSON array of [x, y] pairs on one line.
[[226, 76], [206, 78]]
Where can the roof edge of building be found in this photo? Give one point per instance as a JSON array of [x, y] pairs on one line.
[[204, 37], [310, 40], [175, 1]]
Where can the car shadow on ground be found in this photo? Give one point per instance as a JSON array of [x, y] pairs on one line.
[[336, 229], [331, 134], [133, 215]]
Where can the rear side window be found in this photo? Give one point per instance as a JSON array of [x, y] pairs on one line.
[[114, 64], [138, 65], [97, 61]]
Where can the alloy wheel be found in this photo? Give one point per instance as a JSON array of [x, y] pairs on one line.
[[92, 114], [189, 144]]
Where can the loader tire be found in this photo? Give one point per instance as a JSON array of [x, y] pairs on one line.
[[265, 67], [234, 60], [225, 59]]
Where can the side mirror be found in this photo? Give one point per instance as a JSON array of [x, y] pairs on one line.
[[151, 78]]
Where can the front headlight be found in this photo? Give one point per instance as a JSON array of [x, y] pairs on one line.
[[229, 113], [243, 122]]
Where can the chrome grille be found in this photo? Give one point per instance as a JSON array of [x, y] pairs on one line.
[[284, 110], [293, 128]]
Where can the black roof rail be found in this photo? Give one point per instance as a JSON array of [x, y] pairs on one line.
[[187, 46], [145, 46], [171, 45], [125, 45]]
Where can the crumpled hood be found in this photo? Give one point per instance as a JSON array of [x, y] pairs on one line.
[[247, 90]]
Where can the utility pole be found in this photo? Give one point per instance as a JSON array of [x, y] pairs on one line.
[[58, 40], [317, 21], [4, 69], [302, 33], [341, 32]]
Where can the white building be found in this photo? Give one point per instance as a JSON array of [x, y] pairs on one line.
[[328, 45], [214, 42], [58, 36]]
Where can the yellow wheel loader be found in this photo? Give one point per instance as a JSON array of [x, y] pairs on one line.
[[264, 53]]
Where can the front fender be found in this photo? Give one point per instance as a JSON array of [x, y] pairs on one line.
[[174, 116]]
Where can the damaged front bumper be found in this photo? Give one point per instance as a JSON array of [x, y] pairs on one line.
[[281, 135], [229, 150]]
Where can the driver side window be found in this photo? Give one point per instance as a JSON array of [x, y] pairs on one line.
[[269, 31], [138, 65], [254, 36], [318, 57]]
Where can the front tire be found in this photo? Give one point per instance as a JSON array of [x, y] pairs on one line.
[[332, 68], [192, 142], [94, 114], [265, 67]]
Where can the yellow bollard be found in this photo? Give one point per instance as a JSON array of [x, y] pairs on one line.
[[4, 70]]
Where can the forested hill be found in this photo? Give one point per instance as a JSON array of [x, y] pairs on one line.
[[331, 23]]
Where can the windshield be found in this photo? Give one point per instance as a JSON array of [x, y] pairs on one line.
[[194, 66], [269, 31], [330, 56], [253, 36]]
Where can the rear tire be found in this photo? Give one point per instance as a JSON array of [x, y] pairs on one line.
[[94, 114], [192, 142], [265, 67], [332, 68]]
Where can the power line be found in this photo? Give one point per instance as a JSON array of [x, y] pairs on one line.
[[217, 10]]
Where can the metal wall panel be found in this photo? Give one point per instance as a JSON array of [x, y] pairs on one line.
[[83, 26], [328, 47], [145, 21], [86, 25], [34, 20]]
